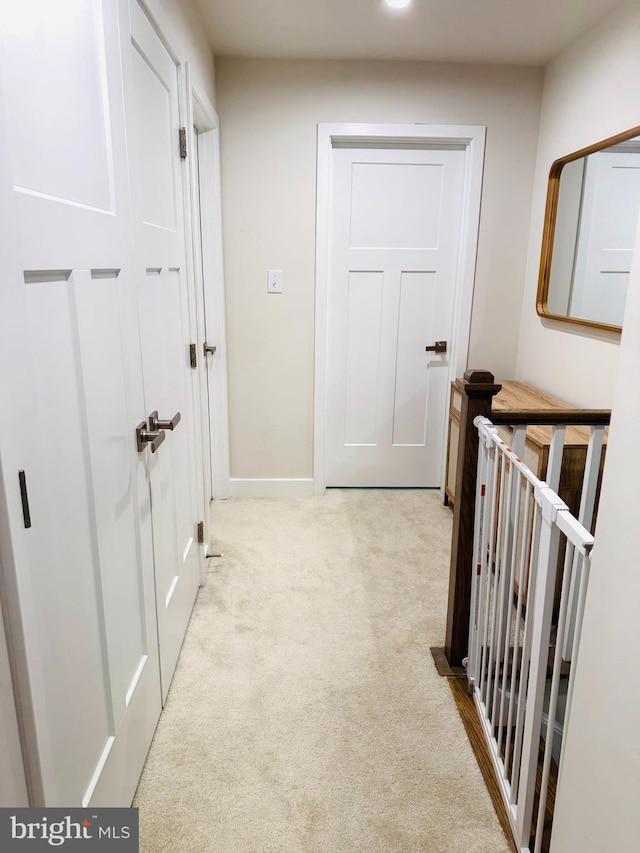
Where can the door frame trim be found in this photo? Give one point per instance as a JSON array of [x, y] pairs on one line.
[[212, 312], [472, 138]]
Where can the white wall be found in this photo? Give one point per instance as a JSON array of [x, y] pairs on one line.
[[591, 92], [268, 112], [599, 787]]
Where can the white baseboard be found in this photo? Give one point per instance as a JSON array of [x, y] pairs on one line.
[[276, 488]]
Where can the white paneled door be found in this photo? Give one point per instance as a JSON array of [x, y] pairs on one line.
[[394, 252], [99, 558], [76, 555], [170, 382]]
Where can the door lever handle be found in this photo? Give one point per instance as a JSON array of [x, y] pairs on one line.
[[208, 349], [145, 436], [156, 424], [438, 347]]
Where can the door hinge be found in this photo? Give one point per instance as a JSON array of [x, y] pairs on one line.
[[201, 532], [182, 134], [193, 358]]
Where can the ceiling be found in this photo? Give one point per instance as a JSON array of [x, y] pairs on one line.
[[526, 32]]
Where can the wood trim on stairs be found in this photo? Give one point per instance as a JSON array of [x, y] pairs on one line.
[[466, 707], [442, 663], [457, 678], [469, 716]]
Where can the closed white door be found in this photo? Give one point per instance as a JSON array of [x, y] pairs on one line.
[[207, 248], [395, 241], [170, 383], [606, 236], [76, 557], [211, 349]]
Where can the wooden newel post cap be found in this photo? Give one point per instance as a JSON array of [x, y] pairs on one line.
[[480, 382], [479, 376]]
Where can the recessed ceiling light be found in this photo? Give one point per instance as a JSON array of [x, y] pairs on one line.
[[397, 4]]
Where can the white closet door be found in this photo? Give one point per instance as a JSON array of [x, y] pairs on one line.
[[395, 241], [170, 384], [78, 581]]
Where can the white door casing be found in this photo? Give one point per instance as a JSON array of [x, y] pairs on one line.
[[209, 349], [208, 264], [395, 234], [166, 327], [361, 363], [78, 583]]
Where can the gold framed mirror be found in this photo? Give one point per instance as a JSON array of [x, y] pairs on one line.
[[591, 216]]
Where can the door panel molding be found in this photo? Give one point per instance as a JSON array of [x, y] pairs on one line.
[[331, 136]]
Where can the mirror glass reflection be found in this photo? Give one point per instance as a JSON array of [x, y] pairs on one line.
[[595, 228]]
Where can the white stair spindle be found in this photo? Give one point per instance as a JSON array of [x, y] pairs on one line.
[[524, 553], [509, 666], [554, 465], [518, 440], [497, 574], [478, 540], [585, 517], [492, 484], [553, 697], [543, 608], [526, 652]]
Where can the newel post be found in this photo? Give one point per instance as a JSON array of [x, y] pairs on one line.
[[478, 393]]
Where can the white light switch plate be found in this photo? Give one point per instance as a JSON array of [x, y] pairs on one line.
[[274, 281]]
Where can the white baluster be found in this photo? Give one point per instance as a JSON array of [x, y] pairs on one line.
[[509, 667], [554, 463], [585, 517], [498, 574], [524, 571], [478, 540], [547, 565], [488, 575]]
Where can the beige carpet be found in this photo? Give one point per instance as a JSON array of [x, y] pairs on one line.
[[306, 715]]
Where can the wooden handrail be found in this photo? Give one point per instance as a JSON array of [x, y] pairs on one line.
[[552, 417], [479, 389]]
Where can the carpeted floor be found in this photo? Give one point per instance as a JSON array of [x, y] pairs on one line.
[[306, 715]]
